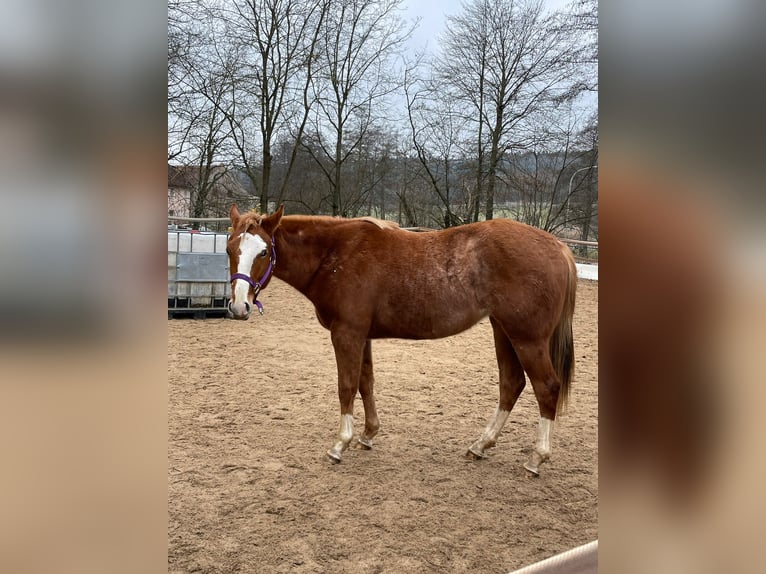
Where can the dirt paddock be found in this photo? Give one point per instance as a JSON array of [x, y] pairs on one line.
[[253, 407]]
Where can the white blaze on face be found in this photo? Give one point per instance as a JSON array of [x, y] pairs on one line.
[[250, 247]]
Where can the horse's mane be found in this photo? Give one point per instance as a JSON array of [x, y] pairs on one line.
[[380, 223]]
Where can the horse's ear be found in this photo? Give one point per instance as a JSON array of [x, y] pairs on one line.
[[270, 222], [234, 213]]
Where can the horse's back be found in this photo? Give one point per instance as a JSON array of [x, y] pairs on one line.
[[436, 284]]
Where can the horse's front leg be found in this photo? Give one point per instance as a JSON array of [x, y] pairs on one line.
[[349, 347], [366, 383]]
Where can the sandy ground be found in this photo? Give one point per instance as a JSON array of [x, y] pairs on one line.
[[253, 408]]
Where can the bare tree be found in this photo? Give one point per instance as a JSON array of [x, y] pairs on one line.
[[585, 203], [436, 129], [548, 184], [507, 60], [367, 173], [184, 39], [415, 198], [462, 67], [581, 20], [200, 76], [299, 96], [275, 42], [353, 78]]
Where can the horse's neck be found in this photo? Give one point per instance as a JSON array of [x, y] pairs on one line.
[[300, 251]]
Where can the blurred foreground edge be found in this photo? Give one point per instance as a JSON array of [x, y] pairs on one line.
[[580, 560]]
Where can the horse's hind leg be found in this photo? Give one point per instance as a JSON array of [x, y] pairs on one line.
[[536, 360], [366, 381], [511, 384]]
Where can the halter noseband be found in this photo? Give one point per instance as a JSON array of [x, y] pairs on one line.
[[258, 285]]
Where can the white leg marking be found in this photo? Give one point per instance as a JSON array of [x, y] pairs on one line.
[[489, 437], [542, 451], [543, 445], [346, 428], [345, 434], [494, 426]]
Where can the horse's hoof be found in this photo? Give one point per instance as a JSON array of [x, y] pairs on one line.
[[534, 470], [333, 457], [475, 454], [534, 462], [364, 443]]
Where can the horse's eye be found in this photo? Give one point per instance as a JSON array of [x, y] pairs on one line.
[[263, 253]]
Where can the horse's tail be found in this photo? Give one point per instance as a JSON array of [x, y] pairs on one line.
[[562, 341]]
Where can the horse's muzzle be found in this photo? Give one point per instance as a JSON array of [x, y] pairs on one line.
[[239, 310]]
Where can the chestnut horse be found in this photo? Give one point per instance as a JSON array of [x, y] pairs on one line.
[[369, 280]]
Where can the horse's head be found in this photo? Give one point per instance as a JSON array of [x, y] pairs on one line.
[[251, 258]]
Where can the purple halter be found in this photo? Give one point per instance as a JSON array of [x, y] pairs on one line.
[[258, 285]]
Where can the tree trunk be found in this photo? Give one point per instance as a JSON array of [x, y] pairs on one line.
[[336, 203], [266, 175], [489, 212]]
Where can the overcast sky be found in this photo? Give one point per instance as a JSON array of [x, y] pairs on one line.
[[432, 14]]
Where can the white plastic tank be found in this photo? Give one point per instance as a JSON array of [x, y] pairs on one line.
[[198, 271]]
